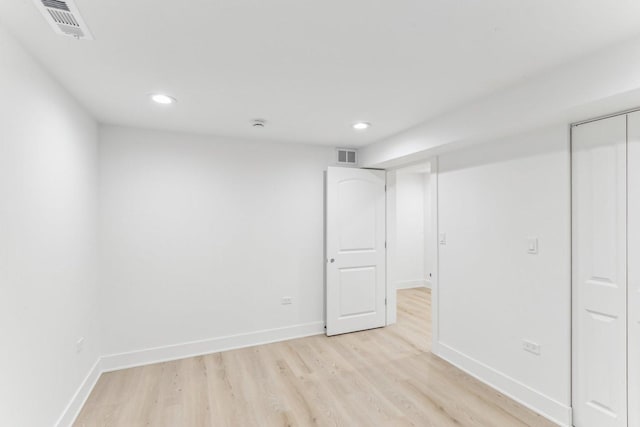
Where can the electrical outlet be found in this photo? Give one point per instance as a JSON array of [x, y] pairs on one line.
[[80, 345], [287, 300], [442, 238], [531, 347]]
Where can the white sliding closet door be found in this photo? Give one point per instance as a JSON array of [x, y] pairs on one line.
[[600, 273], [634, 268]]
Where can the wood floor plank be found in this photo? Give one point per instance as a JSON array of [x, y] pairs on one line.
[[380, 377]]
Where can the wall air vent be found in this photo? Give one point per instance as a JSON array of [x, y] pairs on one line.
[[347, 156], [64, 17]]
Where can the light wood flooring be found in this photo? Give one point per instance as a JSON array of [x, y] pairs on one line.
[[381, 377]]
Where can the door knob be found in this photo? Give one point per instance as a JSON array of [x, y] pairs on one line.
[[332, 260]]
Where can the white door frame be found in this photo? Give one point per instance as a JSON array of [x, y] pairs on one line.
[[633, 252], [391, 246], [435, 250]]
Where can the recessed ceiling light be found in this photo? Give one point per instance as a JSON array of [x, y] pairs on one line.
[[160, 98], [361, 125]]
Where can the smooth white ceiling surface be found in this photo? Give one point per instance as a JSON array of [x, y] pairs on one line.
[[310, 68]]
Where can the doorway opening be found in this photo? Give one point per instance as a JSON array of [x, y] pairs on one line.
[[411, 232]]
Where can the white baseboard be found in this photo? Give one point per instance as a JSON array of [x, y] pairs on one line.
[[72, 410], [131, 359], [521, 393], [410, 284]]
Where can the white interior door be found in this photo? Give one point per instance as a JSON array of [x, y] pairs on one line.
[[634, 267], [600, 273], [355, 244]]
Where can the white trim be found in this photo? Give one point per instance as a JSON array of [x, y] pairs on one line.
[[435, 241], [148, 356], [521, 393], [392, 302], [410, 284], [76, 403]]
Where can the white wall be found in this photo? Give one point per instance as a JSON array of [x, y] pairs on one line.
[[492, 294], [48, 284], [409, 258], [202, 236]]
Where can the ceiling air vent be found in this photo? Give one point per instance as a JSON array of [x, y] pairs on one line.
[[346, 156], [64, 17]]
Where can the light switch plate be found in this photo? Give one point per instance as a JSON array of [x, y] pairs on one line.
[[443, 238], [532, 245], [531, 347], [286, 300]]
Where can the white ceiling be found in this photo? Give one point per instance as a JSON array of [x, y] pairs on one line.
[[310, 68]]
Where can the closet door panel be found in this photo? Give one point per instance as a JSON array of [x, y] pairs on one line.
[[600, 273], [634, 268]]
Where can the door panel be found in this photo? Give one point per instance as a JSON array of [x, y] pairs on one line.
[[356, 215], [355, 242], [634, 268], [599, 273], [357, 291]]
